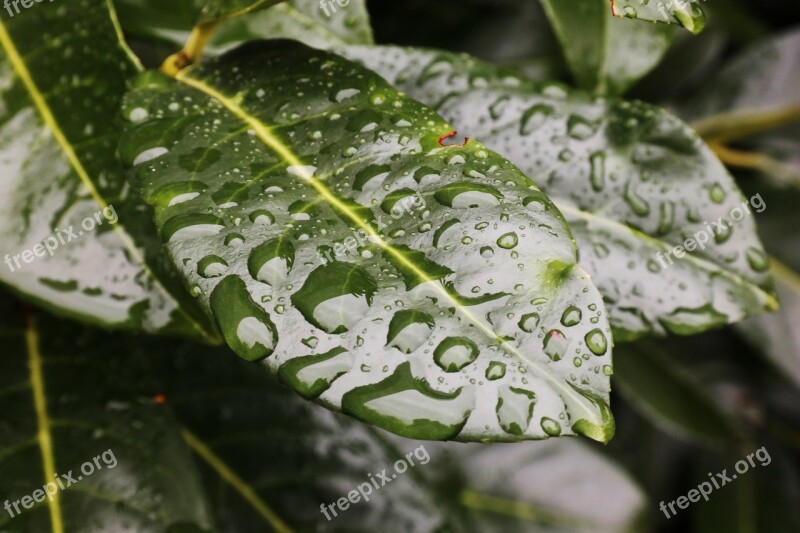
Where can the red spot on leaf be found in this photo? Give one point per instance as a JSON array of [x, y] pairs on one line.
[[160, 399], [451, 134]]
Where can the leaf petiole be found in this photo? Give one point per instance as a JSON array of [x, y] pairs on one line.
[[192, 51]]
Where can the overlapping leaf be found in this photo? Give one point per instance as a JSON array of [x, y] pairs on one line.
[[276, 457], [605, 53], [63, 77], [686, 13], [429, 290], [556, 486], [302, 20], [632, 180], [752, 104], [215, 10], [71, 397]]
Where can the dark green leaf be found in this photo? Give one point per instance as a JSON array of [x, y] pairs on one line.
[[63, 78], [632, 180], [215, 10], [79, 413], [761, 499], [302, 20], [606, 54], [668, 395], [274, 458], [309, 145]]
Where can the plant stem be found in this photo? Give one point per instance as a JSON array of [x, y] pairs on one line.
[[728, 127], [193, 50], [756, 161]]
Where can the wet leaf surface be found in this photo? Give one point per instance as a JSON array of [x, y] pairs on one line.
[[309, 225]]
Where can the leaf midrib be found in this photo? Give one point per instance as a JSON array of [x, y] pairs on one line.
[[264, 133], [233, 479], [43, 435], [704, 264]]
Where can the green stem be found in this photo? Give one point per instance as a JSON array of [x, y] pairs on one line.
[[729, 127]]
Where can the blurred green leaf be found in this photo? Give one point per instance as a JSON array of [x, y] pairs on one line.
[[753, 103], [59, 127], [215, 10], [632, 180], [71, 397], [606, 54], [559, 486], [668, 395], [276, 458], [762, 499], [302, 20]]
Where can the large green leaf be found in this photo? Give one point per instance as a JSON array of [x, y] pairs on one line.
[[669, 396], [63, 71], [429, 290], [686, 13], [301, 20], [631, 179], [72, 397], [270, 459], [606, 54]]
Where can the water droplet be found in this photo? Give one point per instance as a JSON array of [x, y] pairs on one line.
[[596, 342], [571, 316], [454, 353], [212, 266], [555, 344], [508, 241], [551, 427]]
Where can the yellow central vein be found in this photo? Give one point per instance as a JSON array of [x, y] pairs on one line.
[[241, 486], [43, 421], [47, 117], [300, 169]]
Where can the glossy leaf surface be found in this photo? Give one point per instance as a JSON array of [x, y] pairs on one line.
[[430, 290], [632, 180], [686, 13]]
